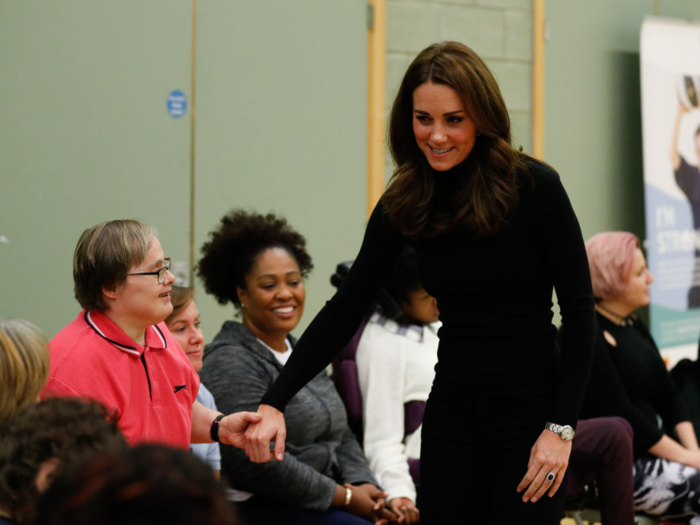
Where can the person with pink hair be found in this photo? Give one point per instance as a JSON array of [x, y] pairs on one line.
[[629, 379]]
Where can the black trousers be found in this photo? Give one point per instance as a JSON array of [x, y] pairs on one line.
[[475, 451]]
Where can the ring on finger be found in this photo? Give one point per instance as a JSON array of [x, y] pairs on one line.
[[550, 477]]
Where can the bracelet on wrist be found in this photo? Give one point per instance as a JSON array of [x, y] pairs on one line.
[[348, 496]]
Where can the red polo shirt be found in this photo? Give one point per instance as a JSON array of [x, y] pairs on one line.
[[151, 388]]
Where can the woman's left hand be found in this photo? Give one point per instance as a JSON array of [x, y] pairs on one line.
[[549, 454], [382, 515]]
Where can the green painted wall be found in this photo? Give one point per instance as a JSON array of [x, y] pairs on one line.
[[593, 131], [85, 135], [282, 126], [593, 124], [281, 120]]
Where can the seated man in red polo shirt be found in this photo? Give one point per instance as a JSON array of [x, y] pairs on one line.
[[118, 350]]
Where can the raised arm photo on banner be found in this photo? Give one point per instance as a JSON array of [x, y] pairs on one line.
[[670, 80]]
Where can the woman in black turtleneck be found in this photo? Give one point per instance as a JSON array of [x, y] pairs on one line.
[[494, 232], [629, 379]]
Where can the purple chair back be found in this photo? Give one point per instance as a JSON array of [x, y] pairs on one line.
[[348, 385], [413, 416], [347, 382]]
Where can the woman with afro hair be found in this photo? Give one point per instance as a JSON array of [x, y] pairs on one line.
[[258, 263]]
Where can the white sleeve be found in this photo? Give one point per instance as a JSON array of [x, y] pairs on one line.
[[381, 365]]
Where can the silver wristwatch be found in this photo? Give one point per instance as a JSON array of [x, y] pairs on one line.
[[565, 432]]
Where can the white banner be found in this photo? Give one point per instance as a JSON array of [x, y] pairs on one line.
[[670, 80]]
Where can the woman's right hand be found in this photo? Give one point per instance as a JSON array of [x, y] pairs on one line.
[[258, 437], [405, 509]]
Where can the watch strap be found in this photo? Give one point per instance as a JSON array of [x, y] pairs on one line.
[[553, 427], [565, 432], [214, 430]]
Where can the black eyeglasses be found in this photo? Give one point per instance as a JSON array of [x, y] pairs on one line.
[[160, 273]]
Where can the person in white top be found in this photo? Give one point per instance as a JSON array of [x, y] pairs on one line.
[[395, 362]]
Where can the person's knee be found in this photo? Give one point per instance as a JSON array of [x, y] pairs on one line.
[[615, 435]]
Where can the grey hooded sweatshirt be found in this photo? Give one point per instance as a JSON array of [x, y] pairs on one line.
[[321, 450]]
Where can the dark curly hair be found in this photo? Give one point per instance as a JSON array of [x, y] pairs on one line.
[[64, 429], [148, 484], [231, 253]]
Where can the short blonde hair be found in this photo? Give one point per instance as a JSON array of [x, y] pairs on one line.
[[24, 366], [610, 257], [103, 257], [180, 298]]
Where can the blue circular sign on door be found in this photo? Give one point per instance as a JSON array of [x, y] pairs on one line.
[[177, 103]]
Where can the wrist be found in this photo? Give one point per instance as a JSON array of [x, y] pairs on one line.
[[339, 497], [691, 458]]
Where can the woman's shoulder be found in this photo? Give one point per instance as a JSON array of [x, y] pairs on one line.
[[380, 220], [545, 189], [643, 330], [232, 334], [233, 339], [542, 174]]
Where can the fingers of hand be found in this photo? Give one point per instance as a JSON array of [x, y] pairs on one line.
[[380, 502], [540, 484], [279, 445], [257, 445], [411, 514], [405, 510], [385, 514], [251, 417], [375, 493], [557, 482], [529, 476], [544, 485], [537, 480]]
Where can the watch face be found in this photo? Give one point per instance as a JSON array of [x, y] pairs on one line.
[[567, 433]]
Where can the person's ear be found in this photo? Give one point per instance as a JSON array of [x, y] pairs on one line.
[[46, 474], [242, 296], [110, 291]]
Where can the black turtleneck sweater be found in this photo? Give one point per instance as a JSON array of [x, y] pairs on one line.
[[494, 296], [629, 379]]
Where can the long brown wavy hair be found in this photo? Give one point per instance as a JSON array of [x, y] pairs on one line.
[[489, 193]]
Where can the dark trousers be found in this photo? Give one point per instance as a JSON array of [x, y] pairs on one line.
[[474, 454], [603, 451], [261, 511]]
